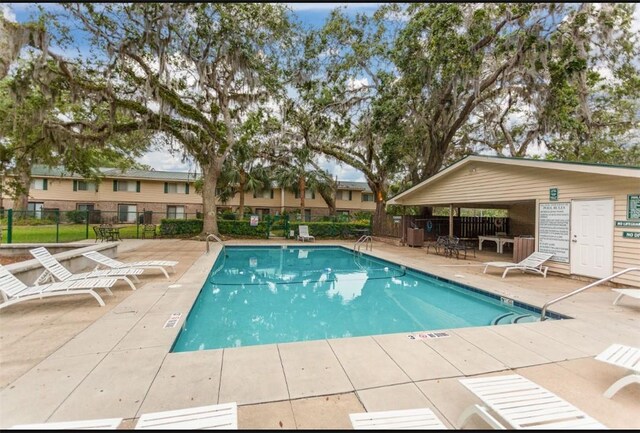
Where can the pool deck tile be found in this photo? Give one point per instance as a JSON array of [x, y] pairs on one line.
[[327, 412], [465, 356], [271, 416], [36, 395], [366, 363], [503, 349], [546, 347], [185, 379], [100, 337], [416, 359], [312, 369], [149, 331], [252, 374], [397, 397], [115, 388]]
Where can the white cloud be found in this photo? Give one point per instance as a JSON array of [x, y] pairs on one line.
[[7, 13], [164, 160]]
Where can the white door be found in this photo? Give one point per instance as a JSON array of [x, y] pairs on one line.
[[592, 237]]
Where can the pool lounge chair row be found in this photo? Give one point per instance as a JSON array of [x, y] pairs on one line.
[[507, 402], [56, 280]]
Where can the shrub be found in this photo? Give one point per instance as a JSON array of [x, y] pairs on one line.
[[180, 227], [76, 216], [324, 229], [242, 229]]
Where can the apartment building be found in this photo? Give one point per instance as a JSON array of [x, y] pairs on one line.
[[153, 195]]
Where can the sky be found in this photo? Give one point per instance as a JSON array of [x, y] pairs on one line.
[[310, 14]]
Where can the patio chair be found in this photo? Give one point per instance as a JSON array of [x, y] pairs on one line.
[[622, 356], [13, 290], [408, 419], [221, 416], [632, 293], [99, 233], [55, 271], [533, 263], [303, 234], [455, 246], [514, 402], [90, 424], [439, 245], [110, 263]]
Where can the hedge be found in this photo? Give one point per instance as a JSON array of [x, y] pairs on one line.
[[320, 229]]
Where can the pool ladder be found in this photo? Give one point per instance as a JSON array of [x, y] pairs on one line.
[[365, 240], [216, 238]]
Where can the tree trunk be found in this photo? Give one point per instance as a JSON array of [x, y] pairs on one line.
[[21, 186], [380, 214], [302, 192], [242, 182], [210, 174], [328, 198]]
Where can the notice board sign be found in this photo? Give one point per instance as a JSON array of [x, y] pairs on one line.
[[633, 207], [253, 220], [554, 229]]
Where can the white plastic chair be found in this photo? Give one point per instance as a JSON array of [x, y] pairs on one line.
[[13, 290], [632, 293], [622, 356], [110, 263], [408, 419], [221, 416], [303, 234], [522, 404], [55, 270], [533, 263]]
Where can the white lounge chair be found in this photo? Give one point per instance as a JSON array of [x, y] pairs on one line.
[[409, 419], [55, 271], [221, 416], [91, 424], [14, 291], [110, 263], [632, 293], [303, 234], [533, 263], [522, 404], [622, 356]]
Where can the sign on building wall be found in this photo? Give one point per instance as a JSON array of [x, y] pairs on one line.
[[631, 235], [627, 223], [554, 229], [553, 194], [633, 207]]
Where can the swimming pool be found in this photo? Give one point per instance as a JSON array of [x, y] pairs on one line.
[[263, 295]]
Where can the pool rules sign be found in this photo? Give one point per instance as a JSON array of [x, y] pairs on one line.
[[553, 230]]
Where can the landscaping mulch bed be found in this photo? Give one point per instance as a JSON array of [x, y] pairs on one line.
[[14, 259]]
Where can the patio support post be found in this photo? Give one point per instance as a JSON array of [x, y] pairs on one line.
[[450, 220]]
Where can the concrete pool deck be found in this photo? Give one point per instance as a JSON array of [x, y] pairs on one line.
[[67, 359]]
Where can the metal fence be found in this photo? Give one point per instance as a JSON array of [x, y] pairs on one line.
[[55, 226]]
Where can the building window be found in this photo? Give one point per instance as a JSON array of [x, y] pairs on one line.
[[127, 213], [85, 207], [263, 211], [175, 212], [40, 184], [267, 193], [82, 185], [34, 209], [126, 185], [344, 195], [367, 196], [307, 194], [176, 188]]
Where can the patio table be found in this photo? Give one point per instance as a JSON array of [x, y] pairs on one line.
[[499, 240]]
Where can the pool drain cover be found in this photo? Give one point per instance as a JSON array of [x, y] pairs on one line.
[[173, 320]]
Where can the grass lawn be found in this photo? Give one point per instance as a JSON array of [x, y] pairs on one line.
[[66, 233]]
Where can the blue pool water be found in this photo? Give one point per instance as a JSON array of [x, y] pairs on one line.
[[262, 295]]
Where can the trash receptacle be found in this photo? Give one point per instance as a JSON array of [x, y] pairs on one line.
[[523, 247], [415, 237]]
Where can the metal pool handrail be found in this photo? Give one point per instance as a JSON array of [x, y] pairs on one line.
[[582, 289], [216, 238]]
